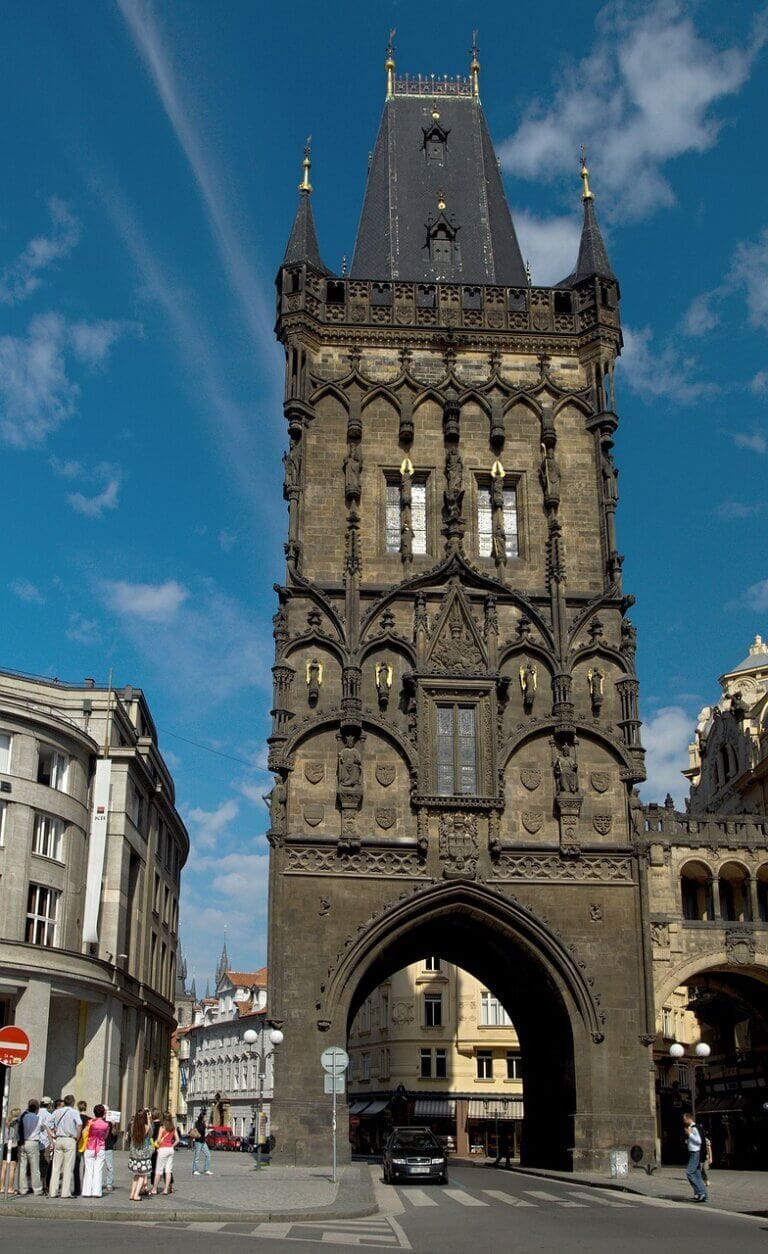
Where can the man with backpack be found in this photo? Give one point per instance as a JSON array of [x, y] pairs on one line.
[[696, 1141]]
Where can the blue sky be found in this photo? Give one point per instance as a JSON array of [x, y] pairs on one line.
[[152, 154]]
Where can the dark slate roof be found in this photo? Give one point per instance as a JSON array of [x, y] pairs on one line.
[[302, 245], [593, 255], [404, 187]]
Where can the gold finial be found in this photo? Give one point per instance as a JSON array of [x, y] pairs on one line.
[[474, 68], [586, 194], [305, 185], [440, 201], [497, 470], [389, 64]]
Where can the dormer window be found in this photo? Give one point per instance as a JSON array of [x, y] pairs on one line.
[[442, 242], [435, 143], [441, 248]]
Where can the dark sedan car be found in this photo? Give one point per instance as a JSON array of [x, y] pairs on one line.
[[414, 1154]]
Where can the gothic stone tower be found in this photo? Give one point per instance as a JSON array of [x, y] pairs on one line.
[[455, 728]]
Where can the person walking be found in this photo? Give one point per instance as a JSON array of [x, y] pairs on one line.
[[29, 1148], [139, 1153], [67, 1126], [201, 1152], [504, 1148], [93, 1156], [166, 1139], [694, 1142], [10, 1152]]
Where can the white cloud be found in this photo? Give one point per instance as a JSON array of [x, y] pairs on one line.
[[643, 96], [92, 341], [83, 630], [757, 596], [25, 590], [227, 540], [759, 384], [225, 897], [666, 736], [701, 317], [666, 373], [551, 245], [66, 468], [150, 602], [25, 275], [36, 392], [750, 272], [755, 441], [738, 509], [208, 826], [94, 506]]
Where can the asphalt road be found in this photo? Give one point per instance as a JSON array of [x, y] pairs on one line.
[[479, 1210]]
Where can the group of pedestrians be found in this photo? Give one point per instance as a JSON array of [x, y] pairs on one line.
[[58, 1149]]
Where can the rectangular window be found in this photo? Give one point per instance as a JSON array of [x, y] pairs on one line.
[[385, 1011], [365, 1066], [432, 964], [42, 915], [5, 752], [384, 1064], [136, 807], [3, 813], [419, 518], [441, 1064], [513, 1066], [156, 895], [47, 836], [456, 751], [492, 1013], [485, 522], [484, 1060], [433, 1010], [393, 519], [425, 1064], [52, 768]]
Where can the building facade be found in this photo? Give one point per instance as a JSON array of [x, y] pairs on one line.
[[91, 853], [431, 1046], [455, 736]]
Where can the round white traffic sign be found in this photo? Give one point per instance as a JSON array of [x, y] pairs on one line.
[[334, 1059]]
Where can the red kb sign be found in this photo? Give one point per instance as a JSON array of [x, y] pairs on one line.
[[14, 1046]]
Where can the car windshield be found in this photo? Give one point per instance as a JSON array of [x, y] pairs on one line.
[[415, 1140]]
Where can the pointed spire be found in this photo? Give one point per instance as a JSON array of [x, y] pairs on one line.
[[389, 64], [474, 68], [593, 255], [302, 246], [223, 966], [193, 990]]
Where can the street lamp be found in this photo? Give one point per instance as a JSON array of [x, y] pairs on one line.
[[251, 1037], [702, 1052]]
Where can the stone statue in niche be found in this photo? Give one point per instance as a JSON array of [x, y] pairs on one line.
[[596, 680], [277, 806], [353, 472], [314, 681], [383, 675], [628, 636], [566, 771], [350, 768], [454, 492], [291, 470], [406, 543], [636, 813], [528, 683], [550, 475], [609, 473]]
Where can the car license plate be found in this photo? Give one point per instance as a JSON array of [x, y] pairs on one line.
[[420, 1171]]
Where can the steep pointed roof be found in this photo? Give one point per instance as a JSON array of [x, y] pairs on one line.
[[302, 244], [593, 255], [223, 965], [408, 178]]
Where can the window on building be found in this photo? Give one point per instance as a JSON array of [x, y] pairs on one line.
[[441, 1064], [365, 1066], [384, 1011], [492, 1013], [394, 516], [433, 1010], [136, 807], [52, 768], [456, 751], [47, 836], [432, 964], [484, 1060], [166, 905], [153, 957], [42, 915], [156, 895], [514, 1071], [441, 247], [3, 820], [667, 1029], [485, 522], [365, 1016], [384, 1064], [425, 1064], [5, 752]]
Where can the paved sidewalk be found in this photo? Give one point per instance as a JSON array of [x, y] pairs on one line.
[[235, 1193], [745, 1192]]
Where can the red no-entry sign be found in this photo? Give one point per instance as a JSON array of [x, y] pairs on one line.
[[14, 1046]]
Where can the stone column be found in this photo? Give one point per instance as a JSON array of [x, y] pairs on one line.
[[32, 1013]]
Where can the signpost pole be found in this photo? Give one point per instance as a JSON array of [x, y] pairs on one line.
[[3, 1122]]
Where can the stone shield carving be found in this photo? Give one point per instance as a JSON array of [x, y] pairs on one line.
[[600, 781], [740, 947], [385, 774], [313, 815], [314, 771], [530, 777], [532, 820], [385, 816], [602, 823], [458, 845]]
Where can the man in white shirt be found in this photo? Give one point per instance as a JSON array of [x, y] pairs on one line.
[[45, 1137], [66, 1130], [29, 1148], [694, 1142]]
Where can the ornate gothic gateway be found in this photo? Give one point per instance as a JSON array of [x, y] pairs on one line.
[[455, 735]]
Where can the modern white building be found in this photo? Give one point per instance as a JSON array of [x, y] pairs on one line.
[[91, 851]]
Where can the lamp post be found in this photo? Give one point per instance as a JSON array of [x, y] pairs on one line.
[[251, 1037], [702, 1052]]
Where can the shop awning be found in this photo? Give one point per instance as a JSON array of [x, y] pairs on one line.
[[357, 1108], [375, 1108], [495, 1108], [434, 1108], [728, 1104]]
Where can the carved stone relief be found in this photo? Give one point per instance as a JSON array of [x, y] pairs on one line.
[[589, 869], [458, 845]]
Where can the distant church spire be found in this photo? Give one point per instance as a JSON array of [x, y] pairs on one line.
[[302, 246], [223, 966]]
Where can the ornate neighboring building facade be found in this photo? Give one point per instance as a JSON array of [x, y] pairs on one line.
[[91, 852], [455, 736]]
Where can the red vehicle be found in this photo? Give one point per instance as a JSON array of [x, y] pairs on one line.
[[218, 1138]]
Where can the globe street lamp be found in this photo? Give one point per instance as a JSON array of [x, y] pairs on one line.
[[702, 1052], [251, 1037]]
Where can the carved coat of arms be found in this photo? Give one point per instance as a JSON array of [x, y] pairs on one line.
[[313, 814], [602, 823], [600, 781], [530, 777], [740, 947], [385, 816], [385, 773], [458, 845], [314, 771], [532, 820]]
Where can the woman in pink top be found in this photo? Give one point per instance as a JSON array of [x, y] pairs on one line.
[[167, 1140], [98, 1130]]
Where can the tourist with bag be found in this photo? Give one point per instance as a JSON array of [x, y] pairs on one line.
[[139, 1153], [67, 1127], [201, 1152], [167, 1139], [93, 1155]]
